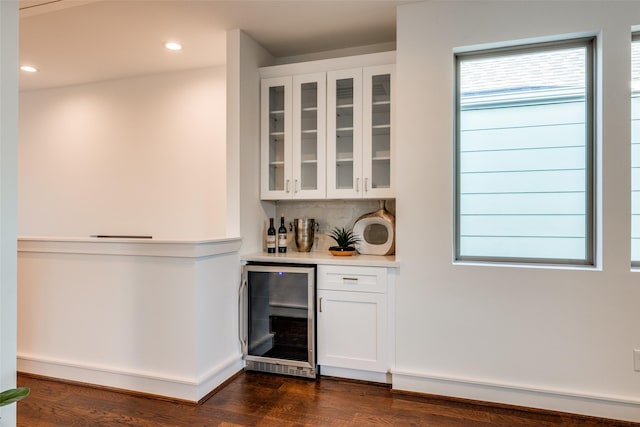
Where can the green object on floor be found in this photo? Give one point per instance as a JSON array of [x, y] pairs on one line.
[[12, 395]]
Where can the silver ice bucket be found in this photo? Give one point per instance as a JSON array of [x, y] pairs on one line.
[[305, 229]]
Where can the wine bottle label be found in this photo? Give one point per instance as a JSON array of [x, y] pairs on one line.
[[271, 241], [282, 241]]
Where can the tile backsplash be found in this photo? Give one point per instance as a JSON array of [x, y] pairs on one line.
[[328, 214]]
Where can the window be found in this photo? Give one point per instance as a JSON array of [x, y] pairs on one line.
[[524, 154], [635, 150]]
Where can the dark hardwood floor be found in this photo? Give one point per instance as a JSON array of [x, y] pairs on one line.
[[256, 399]]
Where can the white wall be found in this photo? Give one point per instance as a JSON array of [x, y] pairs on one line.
[[136, 156], [143, 156], [157, 317], [558, 338], [218, 354], [246, 213], [8, 199]]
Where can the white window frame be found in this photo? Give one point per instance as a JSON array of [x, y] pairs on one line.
[[590, 144]]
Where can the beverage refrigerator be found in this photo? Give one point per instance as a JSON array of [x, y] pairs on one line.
[[277, 318]]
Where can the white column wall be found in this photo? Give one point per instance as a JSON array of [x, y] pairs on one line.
[[556, 338], [247, 215], [218, 353], [8, 199]]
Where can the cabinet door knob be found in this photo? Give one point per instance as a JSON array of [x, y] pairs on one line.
[[320, 305], [295, 186], [366, 184], [357, 185], [287, 186]]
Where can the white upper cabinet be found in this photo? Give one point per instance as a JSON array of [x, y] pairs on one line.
[[344, 130], [360, 133], [309, 140], [378, 165], [293, 125], [328, 134], [276, 146]]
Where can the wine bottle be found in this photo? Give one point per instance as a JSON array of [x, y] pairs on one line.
[[271, 238], [282, 237]]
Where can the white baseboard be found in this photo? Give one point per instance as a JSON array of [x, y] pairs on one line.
[[355, 374], [219, 374], [614, 407], [189, 389]]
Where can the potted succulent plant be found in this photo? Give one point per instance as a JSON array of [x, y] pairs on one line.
[[345, 239]]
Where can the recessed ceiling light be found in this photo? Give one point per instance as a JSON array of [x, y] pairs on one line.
[[29, 69], [173, 46]]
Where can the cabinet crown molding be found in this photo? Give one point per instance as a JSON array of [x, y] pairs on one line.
[[346, 62]]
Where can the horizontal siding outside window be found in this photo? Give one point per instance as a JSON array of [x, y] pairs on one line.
[[524, 164]]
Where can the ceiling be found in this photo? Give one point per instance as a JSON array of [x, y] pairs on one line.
[[79, 41]]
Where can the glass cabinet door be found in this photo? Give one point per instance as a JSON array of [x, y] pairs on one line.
[[276, 138], [309, 142], [344, 134], [378, 148]]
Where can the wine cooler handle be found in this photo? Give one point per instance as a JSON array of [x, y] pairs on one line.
[[242, 315]]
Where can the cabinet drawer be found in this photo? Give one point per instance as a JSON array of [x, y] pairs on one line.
[[354, 279]]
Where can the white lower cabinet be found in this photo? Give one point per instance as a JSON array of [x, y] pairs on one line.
[[353, 322]]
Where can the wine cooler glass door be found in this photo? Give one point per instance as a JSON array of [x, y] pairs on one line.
[[280, 315]]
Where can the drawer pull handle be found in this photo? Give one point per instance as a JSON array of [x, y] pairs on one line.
[[350, 279]]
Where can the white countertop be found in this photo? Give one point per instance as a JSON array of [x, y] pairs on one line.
[[321, 257]]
